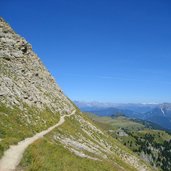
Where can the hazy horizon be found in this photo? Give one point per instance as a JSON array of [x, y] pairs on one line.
[[118, 103]]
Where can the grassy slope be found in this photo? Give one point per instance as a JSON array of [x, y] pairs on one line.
[[108, 122], [129, 125], [54, 157], [134, 129], [15, 124], [49, 154]]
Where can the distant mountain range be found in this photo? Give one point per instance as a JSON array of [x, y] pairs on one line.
[[156, 113]]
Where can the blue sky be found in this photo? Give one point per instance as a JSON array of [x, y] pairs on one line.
[[100, 50]]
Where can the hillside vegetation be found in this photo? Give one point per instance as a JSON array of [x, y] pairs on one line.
[[152, 145], [79, 145], [16, 125]]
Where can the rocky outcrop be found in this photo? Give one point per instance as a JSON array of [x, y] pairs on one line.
[[11, 44], [23, 77]]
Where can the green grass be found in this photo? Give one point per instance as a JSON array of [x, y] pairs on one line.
[[50, 154], [141, 137], [54, 157], [108, 123], [136, 129], [14, 125]]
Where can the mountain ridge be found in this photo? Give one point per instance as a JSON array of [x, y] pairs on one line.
[[31, 101], [157, 113]]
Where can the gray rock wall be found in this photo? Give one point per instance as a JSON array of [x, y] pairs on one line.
[[23, 77]]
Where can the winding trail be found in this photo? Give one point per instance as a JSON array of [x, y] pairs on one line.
[[14, 154]]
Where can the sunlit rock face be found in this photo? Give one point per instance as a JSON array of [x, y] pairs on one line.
[[23, 77]]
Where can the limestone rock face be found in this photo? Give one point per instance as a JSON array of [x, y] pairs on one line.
[[23, 77], [12, 45]]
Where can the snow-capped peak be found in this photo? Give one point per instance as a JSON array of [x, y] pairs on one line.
[[163, 111]]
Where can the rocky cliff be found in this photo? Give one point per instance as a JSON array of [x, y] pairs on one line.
[[23, 77]]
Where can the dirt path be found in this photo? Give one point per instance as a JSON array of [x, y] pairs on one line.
[[13, 155]]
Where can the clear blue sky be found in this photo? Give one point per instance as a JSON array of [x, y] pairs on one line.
[[100, 50]]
